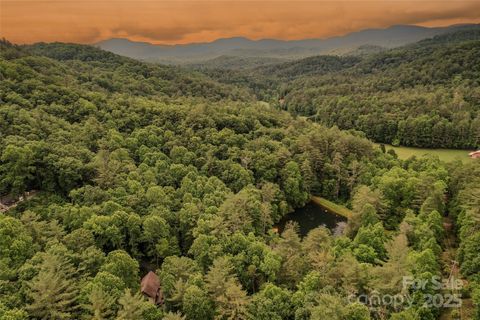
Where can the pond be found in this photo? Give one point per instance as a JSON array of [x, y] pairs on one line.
[[311, 216]]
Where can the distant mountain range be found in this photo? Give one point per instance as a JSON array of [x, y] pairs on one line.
[[391, 37]]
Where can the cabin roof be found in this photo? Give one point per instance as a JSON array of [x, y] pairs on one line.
[[150, 285]]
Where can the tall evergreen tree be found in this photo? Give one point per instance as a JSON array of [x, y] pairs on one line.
[[101, 304], [229, 297], [132, 306], [53, 291]]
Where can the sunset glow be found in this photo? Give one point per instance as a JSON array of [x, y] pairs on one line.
[[172, 22]]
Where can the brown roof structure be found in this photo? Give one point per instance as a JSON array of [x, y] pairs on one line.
[[150, 286]]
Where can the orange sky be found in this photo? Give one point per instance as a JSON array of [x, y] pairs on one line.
[[179, 21]]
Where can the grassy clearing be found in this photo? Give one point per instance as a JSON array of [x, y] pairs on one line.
[[447, 155], [333, 207]]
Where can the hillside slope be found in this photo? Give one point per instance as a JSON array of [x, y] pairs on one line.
[[422, 95], [91, 69]]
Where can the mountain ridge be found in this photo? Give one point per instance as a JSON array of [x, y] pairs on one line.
[[394, 36]]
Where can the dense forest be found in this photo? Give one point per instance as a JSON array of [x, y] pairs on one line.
[[421, 95], [115, 167]]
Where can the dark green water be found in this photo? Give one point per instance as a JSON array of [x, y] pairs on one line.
[[312, 216]]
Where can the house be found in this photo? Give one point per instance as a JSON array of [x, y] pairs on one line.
[[474, 154], [150, 287]]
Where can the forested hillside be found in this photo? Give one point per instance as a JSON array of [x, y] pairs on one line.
[[94, 70], [113, 168], [422, 95], [425, 96], [234, 62]]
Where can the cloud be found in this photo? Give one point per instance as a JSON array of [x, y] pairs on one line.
[[197, 21]]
